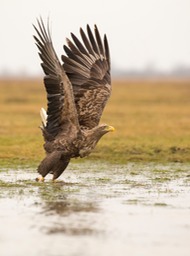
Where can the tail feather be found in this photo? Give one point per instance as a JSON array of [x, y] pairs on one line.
[[53, 163], [43, 115]]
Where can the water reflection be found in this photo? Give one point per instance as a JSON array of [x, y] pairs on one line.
[[65, 208], [67, 213], [70, 217]]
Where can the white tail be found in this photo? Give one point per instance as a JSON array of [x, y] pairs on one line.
[[43, 115]]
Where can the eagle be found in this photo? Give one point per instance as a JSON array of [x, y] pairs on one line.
[[77, 91]]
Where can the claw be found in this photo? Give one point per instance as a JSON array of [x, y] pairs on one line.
[[40, 178]]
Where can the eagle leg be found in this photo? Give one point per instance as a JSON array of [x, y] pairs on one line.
[[54, 163], [60, 167]]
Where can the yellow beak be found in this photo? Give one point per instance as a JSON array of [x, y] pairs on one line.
[[110, 128]]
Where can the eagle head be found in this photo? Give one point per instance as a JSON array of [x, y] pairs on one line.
[[98, 131], [104, 128], [92, 137]]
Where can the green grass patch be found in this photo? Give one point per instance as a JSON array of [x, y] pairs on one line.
[[152, 122]]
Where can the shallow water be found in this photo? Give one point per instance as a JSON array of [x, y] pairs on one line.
[[97, 209]]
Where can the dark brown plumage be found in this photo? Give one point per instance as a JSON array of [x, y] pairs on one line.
[[77, 92]]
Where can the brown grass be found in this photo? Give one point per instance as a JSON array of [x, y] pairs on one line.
[[152, 121]]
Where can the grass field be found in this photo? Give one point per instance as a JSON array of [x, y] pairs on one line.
[[152, 121]]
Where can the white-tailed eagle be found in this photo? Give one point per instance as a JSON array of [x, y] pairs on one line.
[[77, 92]]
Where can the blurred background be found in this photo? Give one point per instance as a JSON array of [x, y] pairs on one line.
[[149, 43], [131, 195], [146, 37]]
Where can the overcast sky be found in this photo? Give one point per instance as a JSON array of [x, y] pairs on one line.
[[141, 33]]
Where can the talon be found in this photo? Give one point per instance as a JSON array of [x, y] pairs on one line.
[[40, 178]]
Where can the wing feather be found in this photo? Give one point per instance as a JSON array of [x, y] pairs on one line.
[[77, 52], [86, 42], [99, 41], [87, 65], [107, 51], [92, 40], [61, 105], [75, 57]]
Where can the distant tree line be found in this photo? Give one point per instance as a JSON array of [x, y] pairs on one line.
[[180, 71]]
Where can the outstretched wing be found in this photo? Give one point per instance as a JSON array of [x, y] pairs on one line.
[[61, 105], [87, 65]]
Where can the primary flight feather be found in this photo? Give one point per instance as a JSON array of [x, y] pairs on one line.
[[77, 92]]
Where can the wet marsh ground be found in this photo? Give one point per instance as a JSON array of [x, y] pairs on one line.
[[97, 209], [130, 197]]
